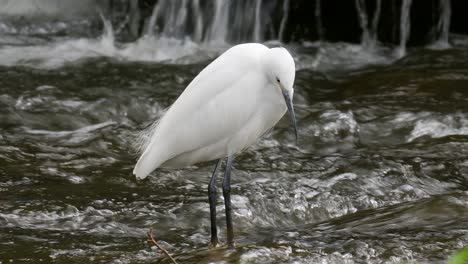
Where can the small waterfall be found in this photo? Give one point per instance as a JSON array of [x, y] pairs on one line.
[[134, 17], [176, 18], [363, 21], [198, 21], [217, 23], [258, 24], [152, 21], [170, 18], [369, 36], [284, 21], [318, 19], [404, 27], [218, 29], [375, 21], [443, 25], [223, 22], [108, 37]]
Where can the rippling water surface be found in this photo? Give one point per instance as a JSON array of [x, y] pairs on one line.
[[379, 173]]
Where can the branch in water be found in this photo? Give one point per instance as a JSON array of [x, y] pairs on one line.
[[153, 241]]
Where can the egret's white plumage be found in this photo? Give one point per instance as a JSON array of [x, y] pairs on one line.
[[225, 109]]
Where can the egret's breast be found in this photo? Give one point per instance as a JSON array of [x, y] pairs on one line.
[[270, 109]]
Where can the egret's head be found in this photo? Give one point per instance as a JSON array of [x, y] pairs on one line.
[[280, 68], [281, 71]]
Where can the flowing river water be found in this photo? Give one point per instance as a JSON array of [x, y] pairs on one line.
[[379, 173]]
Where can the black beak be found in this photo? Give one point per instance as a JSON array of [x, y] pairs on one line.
[[292, 115]]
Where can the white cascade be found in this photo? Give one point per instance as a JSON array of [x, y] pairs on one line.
[[217, 32], [375, 22], [443, 25], [284, 21], [404, 28], [222, 22], [369, 33], [258, 25]]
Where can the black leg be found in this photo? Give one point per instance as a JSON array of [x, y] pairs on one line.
[[227, 201], [212, 201]]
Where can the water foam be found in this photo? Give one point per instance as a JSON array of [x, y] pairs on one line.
[[173, 50], [61, 52], [437, 126], [83, 130], [343, 56]]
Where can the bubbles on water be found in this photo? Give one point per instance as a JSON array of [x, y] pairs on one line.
[[439, 125], [337, 124], [84, 130], [343, 56], [264, 254], [69, 218], [323, 132], [408, 127], [147, 48], [21, 182]]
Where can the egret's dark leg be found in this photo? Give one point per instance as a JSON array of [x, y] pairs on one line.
[[212, 200], [227, 201]]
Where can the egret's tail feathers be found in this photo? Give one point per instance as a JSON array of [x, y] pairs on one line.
[[142, 144], [146, 164], [142, 138]]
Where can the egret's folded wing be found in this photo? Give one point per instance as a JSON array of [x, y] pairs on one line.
[[215, 105]]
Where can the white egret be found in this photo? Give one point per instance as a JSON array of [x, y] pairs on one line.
[[225, 109]]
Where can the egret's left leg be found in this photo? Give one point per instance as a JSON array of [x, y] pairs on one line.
[[212, 201], [227, 201]]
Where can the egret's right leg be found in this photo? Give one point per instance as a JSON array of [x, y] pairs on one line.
[[227, 201], [212, 200]]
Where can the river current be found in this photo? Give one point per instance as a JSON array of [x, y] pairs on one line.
[[379, 173]]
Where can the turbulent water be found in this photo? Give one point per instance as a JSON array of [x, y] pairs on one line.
[[379, 173]]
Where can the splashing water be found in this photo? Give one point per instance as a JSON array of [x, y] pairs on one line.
[[379, 168], [443, 26], [369, 34], [284, 21], [404, 28]]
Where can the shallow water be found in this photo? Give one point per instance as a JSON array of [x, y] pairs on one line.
[[378, 174]]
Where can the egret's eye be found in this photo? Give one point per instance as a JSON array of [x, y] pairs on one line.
[[277, 80]]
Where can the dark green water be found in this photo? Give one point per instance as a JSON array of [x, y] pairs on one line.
[[379, 173]]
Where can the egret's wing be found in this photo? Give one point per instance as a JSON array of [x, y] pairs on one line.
[[220, 74], [215, 105]]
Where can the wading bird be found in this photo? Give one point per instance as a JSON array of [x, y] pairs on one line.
[[226, 108]]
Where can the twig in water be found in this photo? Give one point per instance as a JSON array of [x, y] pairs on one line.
[[153, 241]]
